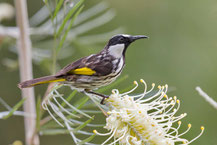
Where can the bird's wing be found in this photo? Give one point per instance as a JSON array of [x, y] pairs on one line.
[[101, 65], [72, 66], [91, 65]]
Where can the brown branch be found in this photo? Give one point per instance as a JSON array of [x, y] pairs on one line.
[[25, 64]]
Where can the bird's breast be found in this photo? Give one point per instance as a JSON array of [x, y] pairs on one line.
[[118, 65]]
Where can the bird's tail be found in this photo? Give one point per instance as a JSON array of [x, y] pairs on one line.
[[38, 81]]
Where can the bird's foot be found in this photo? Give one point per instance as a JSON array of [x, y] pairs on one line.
[[103, 99], [98, 94]]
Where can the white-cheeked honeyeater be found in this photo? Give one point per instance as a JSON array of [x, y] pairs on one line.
[[94, 71]]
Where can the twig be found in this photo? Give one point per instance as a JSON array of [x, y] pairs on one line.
[[206, 97], [25, 62], [45, 120]]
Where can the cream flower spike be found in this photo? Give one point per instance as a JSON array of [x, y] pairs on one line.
[[143, 120]]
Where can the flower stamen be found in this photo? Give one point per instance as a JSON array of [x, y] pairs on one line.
[[144, 120]]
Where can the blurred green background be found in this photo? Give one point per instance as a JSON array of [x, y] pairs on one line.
[[181, 52]]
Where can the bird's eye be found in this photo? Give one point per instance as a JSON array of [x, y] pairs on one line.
[[121, 39]]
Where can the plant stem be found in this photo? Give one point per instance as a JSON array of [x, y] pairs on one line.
[[25, 62], [54, 56], [207, 97]]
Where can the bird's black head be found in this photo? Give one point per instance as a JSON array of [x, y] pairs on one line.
[[118, 44], [124, 39]]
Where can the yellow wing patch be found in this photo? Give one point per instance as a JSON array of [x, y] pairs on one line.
[[83, 71]]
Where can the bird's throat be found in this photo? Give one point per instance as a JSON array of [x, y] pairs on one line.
[[116, 50]]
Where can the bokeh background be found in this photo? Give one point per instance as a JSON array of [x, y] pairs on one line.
[[181, 52]]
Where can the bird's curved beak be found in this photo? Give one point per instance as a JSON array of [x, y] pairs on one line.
[[133, 38]]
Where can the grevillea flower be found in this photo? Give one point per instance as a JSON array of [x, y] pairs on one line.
[[145, 119]]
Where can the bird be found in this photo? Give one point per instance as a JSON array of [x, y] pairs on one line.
[[94, 71]]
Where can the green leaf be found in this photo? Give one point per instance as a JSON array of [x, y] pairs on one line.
[[67, 30], [68, 16], [81, 102], [17, 106], [76, 122], [87, 140], [92, 111], [83, 125], [69, 98], [75, 109], [60, 3]]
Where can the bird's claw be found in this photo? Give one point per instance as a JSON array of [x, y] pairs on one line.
[[103, 99]]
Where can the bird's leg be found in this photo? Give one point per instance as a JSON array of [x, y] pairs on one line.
[[98, 94]]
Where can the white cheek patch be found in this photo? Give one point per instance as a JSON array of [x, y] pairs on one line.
[[116, 50]]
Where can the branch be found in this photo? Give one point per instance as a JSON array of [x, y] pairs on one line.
[[25, 62], [206, 97]]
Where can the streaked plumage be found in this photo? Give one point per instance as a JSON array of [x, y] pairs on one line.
[[93, 71]]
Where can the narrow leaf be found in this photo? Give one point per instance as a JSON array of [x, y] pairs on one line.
[[68, 16], [87, 139], [57, 8], [17, 106], [69, 98], [83, 125], [92, 111], [90, 125], [74, 108], [81, 102], [69, 27], [5, 104]]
